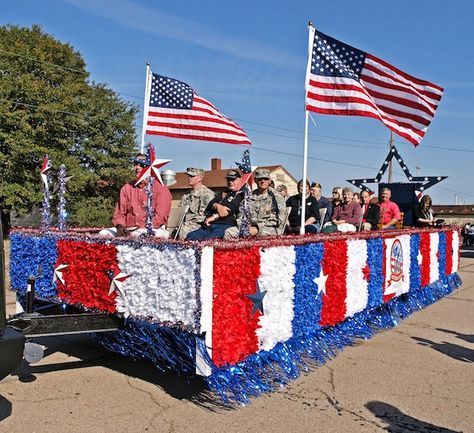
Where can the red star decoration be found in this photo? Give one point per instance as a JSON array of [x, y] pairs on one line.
[[366, 272]]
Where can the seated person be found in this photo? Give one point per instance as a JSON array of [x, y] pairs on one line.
[[266, 209], [323, 202], [423, 214], [370, 212], [197, 200], [389, 211], [311, 211], [336, 197], [222, 211], [283, 190], [346, 216], [130, 213]]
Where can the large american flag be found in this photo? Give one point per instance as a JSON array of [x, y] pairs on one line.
[[344, 80], [175, 110]]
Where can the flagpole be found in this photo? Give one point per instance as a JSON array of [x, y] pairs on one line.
[[305, 149], [145, 107]]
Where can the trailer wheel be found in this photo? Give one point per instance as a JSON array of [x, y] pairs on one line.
[[33, 353]]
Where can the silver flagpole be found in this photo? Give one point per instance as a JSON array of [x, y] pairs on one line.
[[305, 150], [145, 106]]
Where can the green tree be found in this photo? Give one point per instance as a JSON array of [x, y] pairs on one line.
[[48, 105]]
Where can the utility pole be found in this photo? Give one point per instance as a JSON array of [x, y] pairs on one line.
[[417, 170], [456, 199], [390, 145]]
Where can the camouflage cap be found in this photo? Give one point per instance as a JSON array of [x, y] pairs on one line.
[[193, 171], [261, 173], [233, 174]]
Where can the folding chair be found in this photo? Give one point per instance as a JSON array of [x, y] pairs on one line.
[[322, 215], [285, 220], [176, 219]]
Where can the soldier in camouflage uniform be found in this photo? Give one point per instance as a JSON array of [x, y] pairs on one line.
[[197, 199], [266, 207]]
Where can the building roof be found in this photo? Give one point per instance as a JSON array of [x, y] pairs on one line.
[[216, 178], [453, 209]]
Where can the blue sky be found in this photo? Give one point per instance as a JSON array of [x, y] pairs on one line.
[[249, 59]]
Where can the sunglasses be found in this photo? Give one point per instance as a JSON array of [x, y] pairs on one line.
[[260, 179]]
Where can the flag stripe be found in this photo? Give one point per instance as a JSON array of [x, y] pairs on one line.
[[425, 258], [169, 132], [410, 79], [192, 126], [191, 115]]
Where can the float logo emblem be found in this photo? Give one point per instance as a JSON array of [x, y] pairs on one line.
[[396, 261]]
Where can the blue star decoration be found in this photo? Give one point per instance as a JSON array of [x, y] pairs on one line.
[[422, 183], [257, 300]]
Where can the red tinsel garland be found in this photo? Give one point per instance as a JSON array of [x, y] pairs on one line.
[[233, 326], [335, 267], [449, 253], [425, 261], [86, 277]]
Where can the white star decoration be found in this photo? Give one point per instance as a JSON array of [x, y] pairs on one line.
[[58, 274], [46, 167], [117, 282], [321, 282], [152, 170]]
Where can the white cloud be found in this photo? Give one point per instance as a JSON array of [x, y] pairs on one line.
[[150, 21]]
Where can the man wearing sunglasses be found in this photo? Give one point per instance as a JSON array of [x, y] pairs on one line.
[[266, 209], [130, 212], [222, 211], [197, 200]]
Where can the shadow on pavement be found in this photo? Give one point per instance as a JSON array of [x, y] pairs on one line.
[[466, 337], [467, 251], [454, 351], [400, 422], [5, 408], [90, 354]]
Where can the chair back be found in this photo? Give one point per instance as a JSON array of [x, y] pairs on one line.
[[322, 215], [282, 229], [176, 219], [399, 223]]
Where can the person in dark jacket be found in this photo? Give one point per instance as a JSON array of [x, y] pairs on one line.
[[423, 214], [370, 212], [311, 211]]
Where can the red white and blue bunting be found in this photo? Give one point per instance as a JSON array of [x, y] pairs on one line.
[[230, 308]]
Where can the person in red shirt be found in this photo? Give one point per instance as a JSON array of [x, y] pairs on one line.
[[389, 211], [130, 212]]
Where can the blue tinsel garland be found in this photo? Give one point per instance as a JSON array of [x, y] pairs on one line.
[[266, 371], [26, 253]]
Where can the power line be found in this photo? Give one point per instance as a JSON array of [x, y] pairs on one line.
[[77, 71], [10, 53]]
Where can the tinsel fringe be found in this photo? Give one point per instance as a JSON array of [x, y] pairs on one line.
[[266, 371]]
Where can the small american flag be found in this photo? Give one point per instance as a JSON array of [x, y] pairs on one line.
[[344, 80], [175, 110]]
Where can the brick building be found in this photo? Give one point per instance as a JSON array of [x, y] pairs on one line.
[[215, 179]]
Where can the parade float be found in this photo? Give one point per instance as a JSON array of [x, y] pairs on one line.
[[247, 315]]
